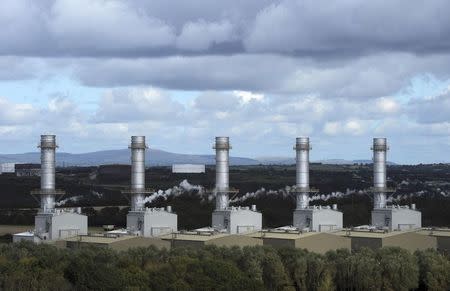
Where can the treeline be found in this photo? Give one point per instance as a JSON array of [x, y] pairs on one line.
[[42, 267]]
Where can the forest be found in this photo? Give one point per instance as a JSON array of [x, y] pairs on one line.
[[27, 266]]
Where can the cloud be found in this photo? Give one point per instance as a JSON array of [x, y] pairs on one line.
[[297, 27], [435, 109], [201, 35]]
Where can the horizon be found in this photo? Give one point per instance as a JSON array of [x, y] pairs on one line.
[[263, 72]]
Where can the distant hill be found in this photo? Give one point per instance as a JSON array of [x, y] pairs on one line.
[[154, 157]]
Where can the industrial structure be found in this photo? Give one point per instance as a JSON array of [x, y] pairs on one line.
[[142, 221], [188, 169], [228, 219], [51, 223], [384, 216], [310, 218]]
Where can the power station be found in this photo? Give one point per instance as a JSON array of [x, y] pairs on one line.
[[306, 217], [232, 220], [384, 216], [142, 221], [229, 223], [50, 223]]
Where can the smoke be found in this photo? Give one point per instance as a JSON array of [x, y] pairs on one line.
[[70, 199], [285, 192], [183, 187]]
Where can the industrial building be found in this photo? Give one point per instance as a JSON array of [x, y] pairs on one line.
[[310, 218], [118, 243], [142, 221], [232, 220], [318, 242], [374, 239], [205, 237], [7, 168], [50, 223], [384, 216], [442, 236], [188, 169]]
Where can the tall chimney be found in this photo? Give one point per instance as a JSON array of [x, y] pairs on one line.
[[379, 172], [302, 148], [222, 148], [138, 148], [48, 147]]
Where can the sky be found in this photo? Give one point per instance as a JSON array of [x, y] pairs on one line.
[[95, 72]]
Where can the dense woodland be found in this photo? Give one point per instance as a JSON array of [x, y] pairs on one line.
[[42, 267]]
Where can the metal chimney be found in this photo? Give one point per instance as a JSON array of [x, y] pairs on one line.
[[222, 147], [47, 190], [379, 172], [302, 148], [137, 192]]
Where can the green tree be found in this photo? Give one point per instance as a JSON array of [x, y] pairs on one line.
[[434, 270]]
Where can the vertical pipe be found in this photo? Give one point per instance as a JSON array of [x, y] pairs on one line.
[[138, 148], [379, 172], [48, 147], [302, 148], [222, 148]]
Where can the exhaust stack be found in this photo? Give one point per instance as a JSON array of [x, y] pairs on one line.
[[379, 148], [222, 147], [302, 148], [47, 192], [138, 148]]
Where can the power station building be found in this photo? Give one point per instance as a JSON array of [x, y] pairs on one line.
[[232, 220], [142, 221], [384, 216], [306, 217], [52, 224]]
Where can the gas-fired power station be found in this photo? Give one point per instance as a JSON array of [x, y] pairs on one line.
[[306, 217], [52, 224], [143, 221], [383, 216], [235, 219]]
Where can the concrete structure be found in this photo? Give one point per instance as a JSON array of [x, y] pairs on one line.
[[7, 168], [442, 236], [383, 216], [232, 220], [188, 169], [318, 242], [118, 243], [313, 218], [50, 223], [147, 222], [374, 239], [197, 239]]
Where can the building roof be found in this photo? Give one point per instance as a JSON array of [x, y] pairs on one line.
[[99, 239], [194, 237], [282, 235], [372, 234], [440, 232]]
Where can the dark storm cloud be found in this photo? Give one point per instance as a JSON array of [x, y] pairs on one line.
[[100, 28]]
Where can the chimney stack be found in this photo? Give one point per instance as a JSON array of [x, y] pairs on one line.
[[138, 148], [222, 147], [379, 148], [302, 148]]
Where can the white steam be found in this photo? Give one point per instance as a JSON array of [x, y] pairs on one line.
[[175, 191]]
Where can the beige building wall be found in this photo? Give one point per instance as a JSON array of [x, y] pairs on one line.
[[323, 242], [365, 242], [411, 241], [235, 240], [139, 242]]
